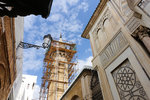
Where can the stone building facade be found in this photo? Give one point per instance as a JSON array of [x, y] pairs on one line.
[[27, 88], [119, 33], [8, 69], [84, 87]]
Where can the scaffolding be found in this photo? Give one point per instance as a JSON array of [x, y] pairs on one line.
[[58, 69]]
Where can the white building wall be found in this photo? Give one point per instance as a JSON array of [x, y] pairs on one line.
[[27, 87], [19, 31]]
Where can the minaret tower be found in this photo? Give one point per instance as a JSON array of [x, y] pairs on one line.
[[58, 67]]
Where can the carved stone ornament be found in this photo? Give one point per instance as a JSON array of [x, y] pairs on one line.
[[100, 25], [143, 34], [127, 83], [114, 47]]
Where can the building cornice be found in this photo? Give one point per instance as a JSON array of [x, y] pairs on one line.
[[93, 19]]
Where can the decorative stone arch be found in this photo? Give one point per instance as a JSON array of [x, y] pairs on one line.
[[75, 97], [108, 27], [106, 16]]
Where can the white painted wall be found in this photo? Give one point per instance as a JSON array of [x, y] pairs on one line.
[[19, 31], [27, 87]]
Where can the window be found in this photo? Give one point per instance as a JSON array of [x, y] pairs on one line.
[[28, 86], [33, 85]]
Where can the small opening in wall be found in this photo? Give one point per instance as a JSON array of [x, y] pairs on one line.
[[33, 85], [28, 86]]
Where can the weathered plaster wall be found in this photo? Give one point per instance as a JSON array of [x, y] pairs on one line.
[[7, 56]]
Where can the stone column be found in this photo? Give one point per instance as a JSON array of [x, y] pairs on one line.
[[86, 91], [143, 34], [87, 85], [83, 86]]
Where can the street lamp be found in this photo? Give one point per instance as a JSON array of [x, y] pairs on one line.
[[47, 41]]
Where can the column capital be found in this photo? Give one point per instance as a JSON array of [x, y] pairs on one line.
[[141, 32]]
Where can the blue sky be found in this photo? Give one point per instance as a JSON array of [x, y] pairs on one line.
[[68, 17]]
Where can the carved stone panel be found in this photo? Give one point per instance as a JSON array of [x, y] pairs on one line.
[[112, 49], [127, 83], [133, 24]]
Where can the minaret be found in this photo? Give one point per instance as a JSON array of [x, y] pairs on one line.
[[60, 39], [57, 69]]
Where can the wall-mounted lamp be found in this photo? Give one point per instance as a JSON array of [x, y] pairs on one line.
[[47, 41]]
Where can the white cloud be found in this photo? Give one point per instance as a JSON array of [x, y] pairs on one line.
[[58, 22], [84, 6], [72, 2], [81, 63], [55, 17], [88, 50], [60, 6], [29, 22], [63, 19], [64, 5], [36, 92], [31, 60]]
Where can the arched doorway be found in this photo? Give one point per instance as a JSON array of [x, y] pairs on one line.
[[95, 87]]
